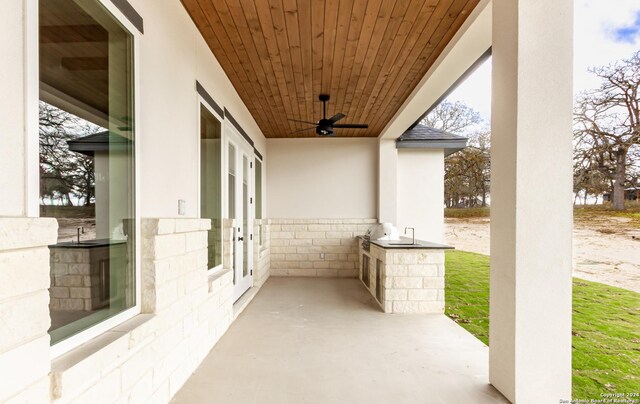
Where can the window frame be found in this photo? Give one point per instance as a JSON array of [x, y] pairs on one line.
[[100, 328], [203, 103], [257, 159]]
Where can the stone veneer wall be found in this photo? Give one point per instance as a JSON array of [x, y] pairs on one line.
[[297, 245], [75, 275], [261, 254], [24, 311], [413, 280], [148, 358]]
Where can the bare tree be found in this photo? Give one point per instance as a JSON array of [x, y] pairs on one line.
[[607, 124], [467, 172], [62, 172], [455, 117]]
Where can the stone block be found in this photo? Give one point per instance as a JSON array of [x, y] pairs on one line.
[[423, 270], [407, 283], [406, 307], [71, 304], [23, 319], [279, 272], [142, 390], [138, 365], [79, 269], [295, 257], [23, 271], [340, 234], [187, 225], [405, 258], [39, 392], [80, 293], [308, 250], [431, 257], [282, 235], [59, 292], [396, 294], [24, 366], [69, 280], [310, 235], [164, 226], [278, 257], [433, 283], [326, 242], [301, 242], [320, 227], [423, 295], [195, 241], [436, 307], [342, 265], [20, 232], [169, 245], [285, 250], [293, 227], [108, 386], [396, 270]]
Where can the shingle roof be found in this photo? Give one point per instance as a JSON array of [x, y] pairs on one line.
[[101, 141], [422, 136]]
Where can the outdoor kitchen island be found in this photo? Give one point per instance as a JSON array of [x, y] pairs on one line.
[[403, 276]]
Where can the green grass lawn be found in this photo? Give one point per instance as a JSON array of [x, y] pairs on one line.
[[606, 325]]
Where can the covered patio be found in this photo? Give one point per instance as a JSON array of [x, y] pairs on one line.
[[311, 340], [234, 186]]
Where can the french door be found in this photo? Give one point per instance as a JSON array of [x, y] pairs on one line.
[[239, 155]]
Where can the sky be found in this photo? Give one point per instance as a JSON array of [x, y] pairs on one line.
[[604, 31]]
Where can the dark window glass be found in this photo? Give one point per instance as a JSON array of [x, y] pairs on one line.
[[211, 182]]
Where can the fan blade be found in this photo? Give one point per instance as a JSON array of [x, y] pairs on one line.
[[297, 120], [337, 117], [352, 125], [301, 130]]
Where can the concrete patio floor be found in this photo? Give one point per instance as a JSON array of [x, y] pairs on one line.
[[313, 340]]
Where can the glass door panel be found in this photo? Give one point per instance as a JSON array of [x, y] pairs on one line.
[[232, 202], [240, 165], [245, 213]]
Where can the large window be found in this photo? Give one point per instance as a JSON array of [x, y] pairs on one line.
[[211, 182], [87, 168]]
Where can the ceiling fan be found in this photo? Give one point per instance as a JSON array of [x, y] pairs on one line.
[[325, 126]]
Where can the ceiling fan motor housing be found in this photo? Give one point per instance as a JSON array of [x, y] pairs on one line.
[[325, 127]]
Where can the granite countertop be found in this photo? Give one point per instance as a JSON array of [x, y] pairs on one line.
[[88, 243], [405, 243]]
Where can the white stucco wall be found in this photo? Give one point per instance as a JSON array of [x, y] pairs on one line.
[[173, 55], [420, 188], [322, 178], [12, 111]]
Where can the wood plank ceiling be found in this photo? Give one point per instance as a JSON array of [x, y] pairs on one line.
[[368, 55]]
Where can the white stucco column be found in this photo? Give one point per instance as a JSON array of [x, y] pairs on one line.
[[531, 210], [420, 188], [387, 181]]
